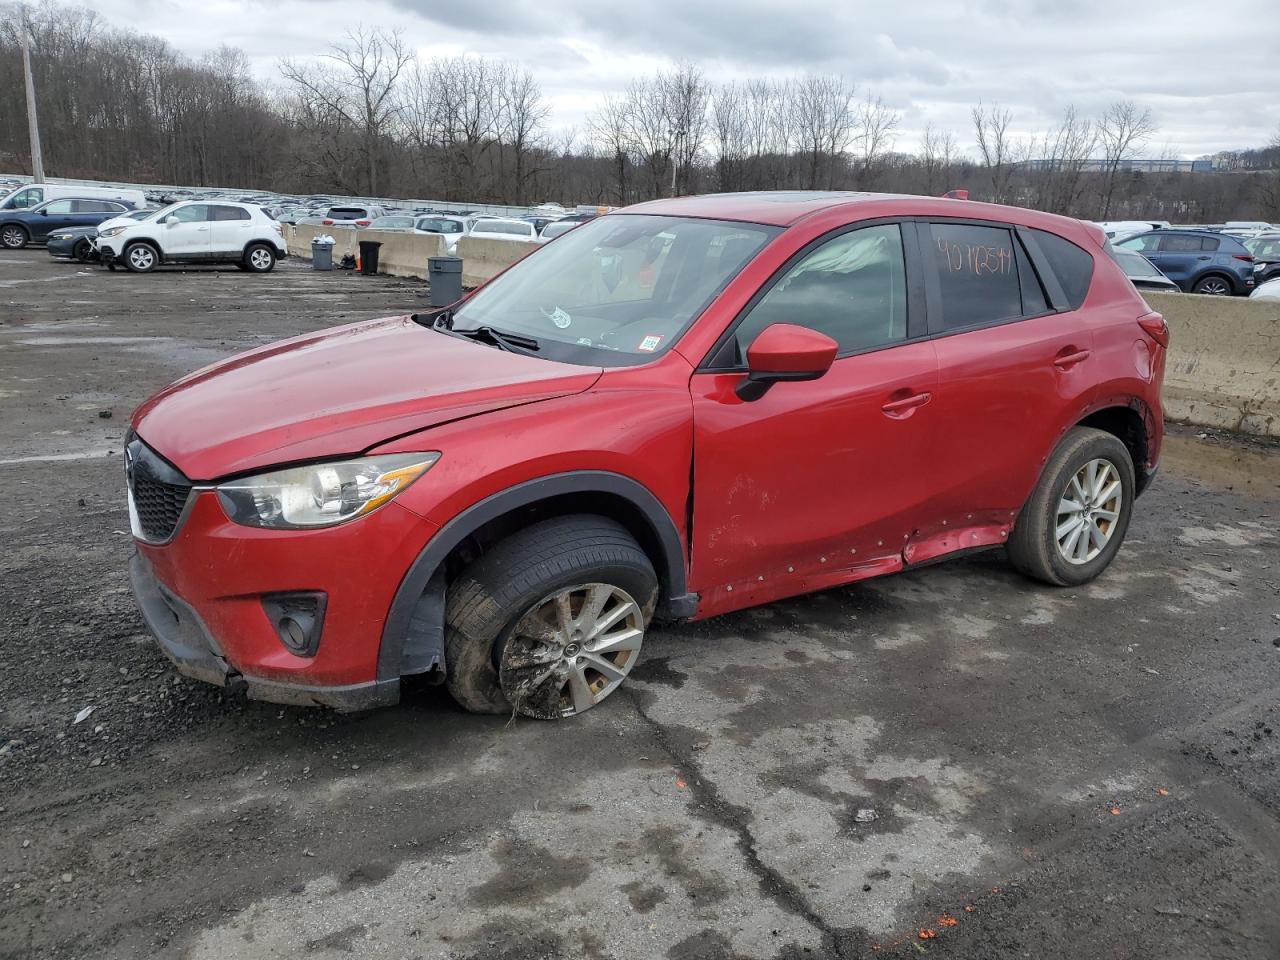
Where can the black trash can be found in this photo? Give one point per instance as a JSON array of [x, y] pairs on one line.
[[444, 274], [369, 257]]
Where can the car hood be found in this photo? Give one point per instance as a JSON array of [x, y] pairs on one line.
[[337, 393]]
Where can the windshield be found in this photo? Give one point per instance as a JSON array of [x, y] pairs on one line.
[[392, 222], [618, 290], [1264, 248]]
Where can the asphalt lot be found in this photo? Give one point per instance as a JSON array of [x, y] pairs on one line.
[[953, 762]]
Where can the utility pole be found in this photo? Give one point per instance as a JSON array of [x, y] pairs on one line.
[[33, 125]]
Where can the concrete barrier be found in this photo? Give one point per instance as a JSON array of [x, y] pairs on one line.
[[405, 254], [1223, 368], [483, 258], [401, 254]]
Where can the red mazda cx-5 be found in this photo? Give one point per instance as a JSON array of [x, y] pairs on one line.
[[677, 410]]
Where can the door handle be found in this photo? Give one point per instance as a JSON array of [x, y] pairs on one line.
[[1204, 257], [904, 406], [1068, 360]]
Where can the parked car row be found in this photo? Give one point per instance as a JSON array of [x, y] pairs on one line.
[[117, 229]]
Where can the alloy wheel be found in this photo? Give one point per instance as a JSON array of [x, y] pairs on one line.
[[142, 258], [1089, 511], [260, 259], [13, 237], [1213, 287], [571, 650]]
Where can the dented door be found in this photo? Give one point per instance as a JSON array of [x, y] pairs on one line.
[[815, 483]]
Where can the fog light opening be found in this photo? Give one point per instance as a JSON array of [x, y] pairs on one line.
[[298, 619]]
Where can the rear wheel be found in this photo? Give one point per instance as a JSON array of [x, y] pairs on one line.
[[1213, 286], [259, 258], [14, 237], [1073, 525], [141, 257], [550, 621]]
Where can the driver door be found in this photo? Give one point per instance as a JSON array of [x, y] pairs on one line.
[[821, 482], [185, 235], [53, 216]]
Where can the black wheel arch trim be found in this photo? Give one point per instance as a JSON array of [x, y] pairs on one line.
[[674, 601]]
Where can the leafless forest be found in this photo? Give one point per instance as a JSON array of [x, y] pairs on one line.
[[370, 118]]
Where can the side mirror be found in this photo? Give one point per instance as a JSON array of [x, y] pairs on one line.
[[44, 213], [784, 351], [169, 221]]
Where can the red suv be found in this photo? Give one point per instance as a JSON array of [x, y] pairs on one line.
[[675, 411]]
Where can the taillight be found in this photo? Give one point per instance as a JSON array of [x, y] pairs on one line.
[[1156, 328], [363, 223], [1247, 258], [328, 223]]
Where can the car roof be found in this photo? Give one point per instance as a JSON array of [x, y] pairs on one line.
[[784, 208]]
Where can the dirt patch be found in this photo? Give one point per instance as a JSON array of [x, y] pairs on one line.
[[1226, 460]]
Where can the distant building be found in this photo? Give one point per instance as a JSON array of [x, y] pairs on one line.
[[1132, 166]]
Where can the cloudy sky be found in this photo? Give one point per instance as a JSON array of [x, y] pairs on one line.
[[1212, 81]]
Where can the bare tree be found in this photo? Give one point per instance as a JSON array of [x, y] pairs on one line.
[[356, 86], [995, 143], [937, 154], [610, 127], [1122, 131], [1063, 153], [875, 127], [521, 115], [825, 121]]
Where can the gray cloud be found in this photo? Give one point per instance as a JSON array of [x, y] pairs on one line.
[[1210, 89]]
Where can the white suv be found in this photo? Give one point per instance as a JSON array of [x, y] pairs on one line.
[[196, 231]]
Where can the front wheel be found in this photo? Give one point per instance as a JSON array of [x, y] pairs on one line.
[[1073, 525], [14, 237], [1213, 287], [82, 251], [549, 622]]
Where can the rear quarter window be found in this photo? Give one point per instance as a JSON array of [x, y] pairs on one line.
[[1072, 265]]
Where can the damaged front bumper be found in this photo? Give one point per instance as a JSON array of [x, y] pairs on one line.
[[187, 642]]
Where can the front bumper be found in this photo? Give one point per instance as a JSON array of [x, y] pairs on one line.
[[202, 595], [62, 248], [187, 642]]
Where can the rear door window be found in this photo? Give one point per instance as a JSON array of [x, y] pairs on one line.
[[978, 275], [1173, 243], [229, 213]]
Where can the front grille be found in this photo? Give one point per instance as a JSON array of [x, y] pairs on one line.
[[159, 506], [159, 492]]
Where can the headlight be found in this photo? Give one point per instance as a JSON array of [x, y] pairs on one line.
[[59, 236], [322, 494], [113, 232]]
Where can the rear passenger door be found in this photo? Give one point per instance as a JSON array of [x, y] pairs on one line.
[[1013, 362], [1181, 257], [229, 229]]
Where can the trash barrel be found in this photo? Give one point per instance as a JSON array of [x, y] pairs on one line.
[[321, 255], [369, 257], [444, 274]]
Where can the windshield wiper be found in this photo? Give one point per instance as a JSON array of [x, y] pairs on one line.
[[505, 341]]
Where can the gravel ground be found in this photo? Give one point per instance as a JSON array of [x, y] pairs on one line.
[[953, 762]]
